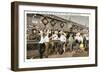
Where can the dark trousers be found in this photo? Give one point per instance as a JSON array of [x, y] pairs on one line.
[[56, 47], [46, 52], [43, 50], [41, 47]]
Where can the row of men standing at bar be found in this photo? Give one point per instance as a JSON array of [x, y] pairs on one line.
[[58, 42]]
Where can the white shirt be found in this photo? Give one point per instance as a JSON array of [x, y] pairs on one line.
[[54, 37], [81, 38], [46, 38], [62, 38], [42, 39], [87, 38], [77, 38]]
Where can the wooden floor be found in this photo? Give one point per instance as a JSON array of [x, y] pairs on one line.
[[34, 54]]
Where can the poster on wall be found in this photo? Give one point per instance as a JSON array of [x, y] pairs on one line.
[[52, 36]]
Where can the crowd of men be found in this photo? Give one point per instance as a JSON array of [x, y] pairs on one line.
[[59, 41]]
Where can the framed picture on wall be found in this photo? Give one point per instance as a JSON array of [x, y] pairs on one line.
[[52, 36]]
